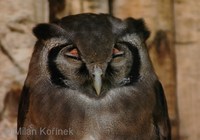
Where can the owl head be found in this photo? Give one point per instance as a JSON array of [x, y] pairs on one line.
[[92, 53]]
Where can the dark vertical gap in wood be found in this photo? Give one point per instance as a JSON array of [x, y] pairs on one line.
[[55, 6], [110, 6]]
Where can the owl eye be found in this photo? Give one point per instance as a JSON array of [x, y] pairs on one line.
[[73, 53], [117, 52]]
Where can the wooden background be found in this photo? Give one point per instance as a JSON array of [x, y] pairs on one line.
[[174, 47]]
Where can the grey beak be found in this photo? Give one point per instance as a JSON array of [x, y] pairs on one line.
[[97, 81]]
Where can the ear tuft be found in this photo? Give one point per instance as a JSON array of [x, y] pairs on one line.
[[138, 25], [45, 31]]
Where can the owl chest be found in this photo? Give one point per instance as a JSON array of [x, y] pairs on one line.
[[111, 123], [119, 119], [111, 119]]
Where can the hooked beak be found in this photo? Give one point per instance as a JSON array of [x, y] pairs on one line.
[[97, 81]]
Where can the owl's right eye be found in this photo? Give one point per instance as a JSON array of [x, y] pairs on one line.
[[72, 52]]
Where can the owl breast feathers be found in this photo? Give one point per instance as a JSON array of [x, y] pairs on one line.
[[91, 73]]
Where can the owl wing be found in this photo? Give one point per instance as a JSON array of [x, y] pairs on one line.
[[23, 106], [161, 118]]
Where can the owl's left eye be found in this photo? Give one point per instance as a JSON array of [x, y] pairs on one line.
[[117, 52]]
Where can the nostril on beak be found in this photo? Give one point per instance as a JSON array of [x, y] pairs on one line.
[[97, 70]]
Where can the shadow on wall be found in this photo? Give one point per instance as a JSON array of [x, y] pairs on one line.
[[11, 101]]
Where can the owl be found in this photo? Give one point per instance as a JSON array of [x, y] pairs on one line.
[[90, 78]]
